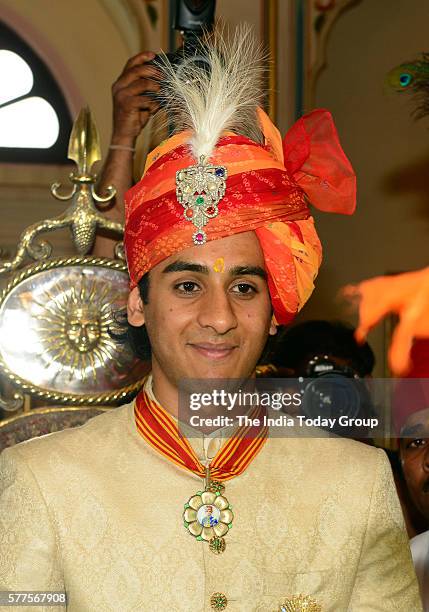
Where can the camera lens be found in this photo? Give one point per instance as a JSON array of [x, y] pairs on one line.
[[332, 396]]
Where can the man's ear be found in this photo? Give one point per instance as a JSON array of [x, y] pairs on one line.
[[273, 326], [135, 308]]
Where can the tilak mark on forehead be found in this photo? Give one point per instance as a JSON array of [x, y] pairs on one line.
[[219, 265]]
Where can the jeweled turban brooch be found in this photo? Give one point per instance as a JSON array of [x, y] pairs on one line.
[[199, 189]]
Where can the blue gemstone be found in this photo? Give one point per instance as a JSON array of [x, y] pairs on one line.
[[220, 172]]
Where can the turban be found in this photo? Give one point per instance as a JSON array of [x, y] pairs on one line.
[[267, 189]]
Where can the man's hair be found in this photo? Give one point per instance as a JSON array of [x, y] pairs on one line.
[[135, 337], [298, 344]]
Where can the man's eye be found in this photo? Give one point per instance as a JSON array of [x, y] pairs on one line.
[[417, 443], [244, 289], [187, 287]]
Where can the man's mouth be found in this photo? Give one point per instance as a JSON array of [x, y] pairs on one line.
[[213, 350]]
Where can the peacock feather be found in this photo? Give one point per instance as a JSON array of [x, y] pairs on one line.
[[216, 90], [413, 78]]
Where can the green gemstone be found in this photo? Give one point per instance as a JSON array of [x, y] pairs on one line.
[[199, 201], [199, 538], [186, 506], [199, 493], [186, 524], [230, 526]]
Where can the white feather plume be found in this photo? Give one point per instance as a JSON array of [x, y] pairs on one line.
[[224, 97]]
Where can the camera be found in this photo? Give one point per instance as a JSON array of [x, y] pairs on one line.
[[331, 390], [194, 16], [193, 19]]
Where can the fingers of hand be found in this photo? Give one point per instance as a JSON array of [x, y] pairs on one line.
[[379, 297], [140, 58], [137, 96], [137, 73], [132, 104], [400, 349], [413, 323], [371, 311]]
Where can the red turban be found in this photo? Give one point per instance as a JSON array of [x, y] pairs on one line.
[[267, 190]]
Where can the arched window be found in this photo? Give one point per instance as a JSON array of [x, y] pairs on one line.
[[35, 122]]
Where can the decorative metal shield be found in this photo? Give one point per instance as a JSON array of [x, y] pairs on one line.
[[56, 325]]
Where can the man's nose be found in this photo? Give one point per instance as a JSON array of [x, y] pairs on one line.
[[216, 311]]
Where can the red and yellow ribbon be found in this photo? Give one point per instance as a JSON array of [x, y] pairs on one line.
[[162, 433]]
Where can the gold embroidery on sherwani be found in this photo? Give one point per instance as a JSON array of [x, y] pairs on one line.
[[84, 510]]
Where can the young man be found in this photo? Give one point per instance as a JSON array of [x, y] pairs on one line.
[[220, 247]]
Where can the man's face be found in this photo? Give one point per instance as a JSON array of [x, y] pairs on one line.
[[208, 313], [414, 451]]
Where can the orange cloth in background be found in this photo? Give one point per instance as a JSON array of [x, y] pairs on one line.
[[406, 295], [267, 191]]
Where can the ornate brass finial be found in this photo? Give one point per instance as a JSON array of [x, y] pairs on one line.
[[82, 216], [84, 144]]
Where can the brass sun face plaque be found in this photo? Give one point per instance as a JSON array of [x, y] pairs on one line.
[[55, 330]]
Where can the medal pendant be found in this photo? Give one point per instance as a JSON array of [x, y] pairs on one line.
[[208, 516]]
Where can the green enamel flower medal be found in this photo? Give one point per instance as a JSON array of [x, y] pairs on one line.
[[208, 515]]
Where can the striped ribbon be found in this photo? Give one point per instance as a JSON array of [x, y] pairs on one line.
[[162, 433]]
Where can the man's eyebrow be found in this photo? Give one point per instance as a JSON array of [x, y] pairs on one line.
[[248, 271], [415, 431], [185, 266]]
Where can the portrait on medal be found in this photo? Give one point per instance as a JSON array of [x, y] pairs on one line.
[[208, 515]]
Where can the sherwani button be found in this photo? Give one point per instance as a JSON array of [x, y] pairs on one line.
[[218, 601]]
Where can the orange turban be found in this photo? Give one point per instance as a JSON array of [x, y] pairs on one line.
[[267, 190]]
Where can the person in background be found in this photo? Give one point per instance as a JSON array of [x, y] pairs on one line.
[[327, 354], [133, 105], [411, 421], [299, 344]]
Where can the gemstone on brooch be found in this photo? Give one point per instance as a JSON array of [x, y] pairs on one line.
[[199, 189]]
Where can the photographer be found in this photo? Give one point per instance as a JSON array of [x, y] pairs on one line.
[[333, 365], [135, 101]]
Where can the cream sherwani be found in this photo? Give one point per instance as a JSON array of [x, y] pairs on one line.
[[97, 512]]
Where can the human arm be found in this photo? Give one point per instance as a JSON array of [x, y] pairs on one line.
[[132, 108], [28, 552], [385, 579]]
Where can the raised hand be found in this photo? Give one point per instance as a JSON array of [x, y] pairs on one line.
[[132, 101]]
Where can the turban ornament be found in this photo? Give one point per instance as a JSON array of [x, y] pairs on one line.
[[226, 170], [199, 189]]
